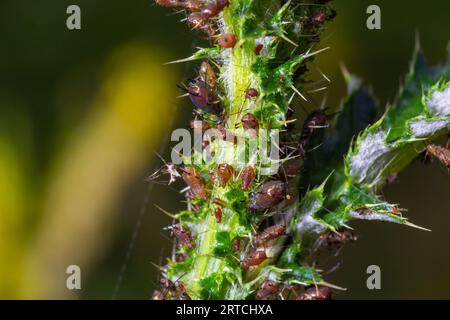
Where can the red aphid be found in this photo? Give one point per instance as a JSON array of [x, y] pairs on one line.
[[270, 194], [316, 293], [224, 173], [247, 177], [237, 244], [251, 93], [269, 234], [254, 259], [219, 202], [218, 214], [214, 8], [195, 183], [227, 40], [259, 48], [249, 121]]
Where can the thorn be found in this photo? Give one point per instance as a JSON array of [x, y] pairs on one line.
[[332, 286], [298, 92], [308, 54], [191, 58], [183, 95], [412, 225], [282, 36], [166, 212], [318, 90]]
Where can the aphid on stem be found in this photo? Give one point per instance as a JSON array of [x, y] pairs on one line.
[[218, 214], [227, 40], [269, 234], [268, 288], [184, 236], [249, 121], [224, 173], [316, 293], [254, 259], [204, 98], [269, 194], [247, 177], [195, 183]]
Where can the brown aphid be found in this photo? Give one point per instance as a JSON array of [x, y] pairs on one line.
[[247, 177], [441, 153], [226, 135], [158, 295], [316, 293], [224, 173], [269, 234], [397, 210], [318, 18], [191, 5], [214, 8], [219, 202], [249, 121], [254, 259], [227, 40], [197, 21], [184, 236], [268, 288], [237, 244], [338, 238], [289, 169], [270, 194], [259, 48], [204, 98], [315, 120], [168, 3], [251, 93], [208, 75], [218, 214], [195, 183]]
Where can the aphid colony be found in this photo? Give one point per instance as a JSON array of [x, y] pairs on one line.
[[253, 198]]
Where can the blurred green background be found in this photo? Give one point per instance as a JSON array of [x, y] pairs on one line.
[[83, 112]]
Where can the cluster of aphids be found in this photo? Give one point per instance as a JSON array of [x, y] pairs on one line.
[[201, 14], [263, 196]]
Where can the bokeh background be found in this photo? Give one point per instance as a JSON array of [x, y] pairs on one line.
[[82, 114]]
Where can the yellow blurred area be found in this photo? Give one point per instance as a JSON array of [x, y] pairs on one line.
[[88, 178]]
